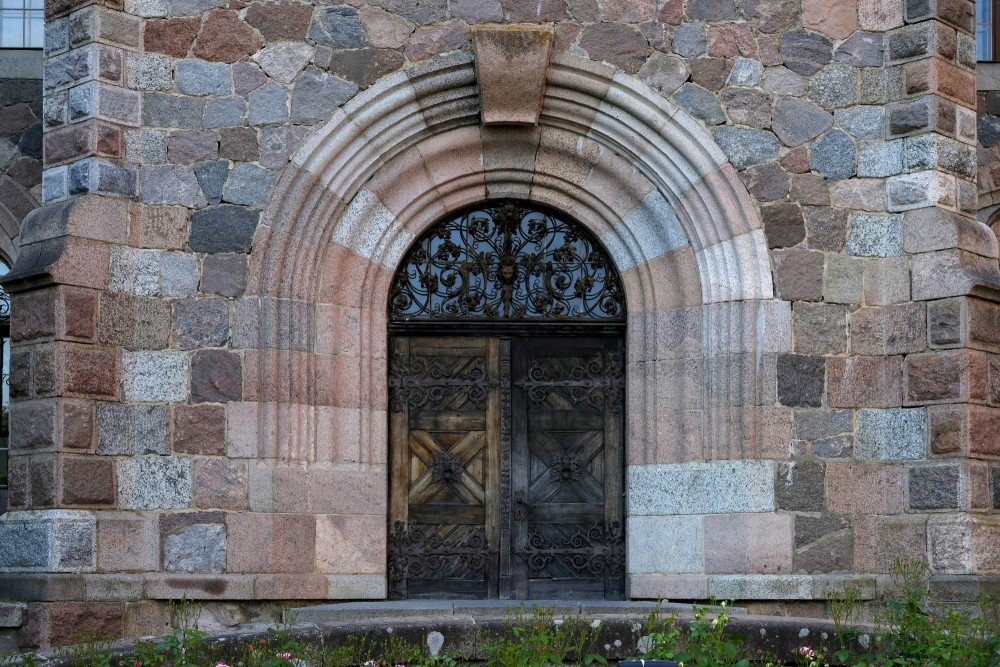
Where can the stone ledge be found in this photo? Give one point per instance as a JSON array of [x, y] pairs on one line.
[[988, 76], [21, 64]]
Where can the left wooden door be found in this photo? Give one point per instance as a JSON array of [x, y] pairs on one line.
[[444, 405]]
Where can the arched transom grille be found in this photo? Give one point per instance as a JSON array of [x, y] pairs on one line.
[[507, 260]]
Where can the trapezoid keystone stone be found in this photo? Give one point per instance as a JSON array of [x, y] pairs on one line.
[[511, 65]]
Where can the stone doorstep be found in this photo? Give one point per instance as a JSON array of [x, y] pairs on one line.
[[476, 609]]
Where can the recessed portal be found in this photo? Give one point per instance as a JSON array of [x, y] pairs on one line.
[[506, 400]]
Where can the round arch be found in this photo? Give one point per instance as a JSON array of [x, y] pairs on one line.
[[641, 174]]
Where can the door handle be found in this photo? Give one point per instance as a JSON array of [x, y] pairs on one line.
[[521, 506]]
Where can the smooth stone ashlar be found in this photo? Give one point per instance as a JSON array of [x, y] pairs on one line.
[[511, 64]]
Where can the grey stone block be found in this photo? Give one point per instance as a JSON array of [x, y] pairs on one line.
[[891, 434], [200, 78], [248, 184], [337, 27], [836, 447], [24, 545], [284, 60], [134, 271], [201, 323], [745, 147], [224, 111], [172, 111], [783, 81], [155, 376], [132, 429], [74, 545], [317, 93], [268, 104], [863, 122], [278, 143], [55, 184], [225, 275], [223, 228], [12, 614], [834, 155], [797, 121], [178, 274], [862, 49], [146, 146], [933, 488], [171, 185], [211, 178], [700, 103], [875, 235], [944, 322], [760, 587], [801, 380], [822, 423], [186, 146], [880, 158], [887, 280], [933, 151], [689, 40], [666, 544], [154, 482], [800, 486], [198, 548], [805, 52], [664, 72], [709, 487], [746, 72], [834, 87], [193, 7]]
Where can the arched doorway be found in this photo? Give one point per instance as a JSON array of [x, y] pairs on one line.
[[506, 409]]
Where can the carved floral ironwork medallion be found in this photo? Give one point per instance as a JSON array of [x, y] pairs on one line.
[[507, 261]]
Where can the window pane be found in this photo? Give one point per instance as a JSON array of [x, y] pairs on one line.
[[11, 29], [36, 30], [984, 30]]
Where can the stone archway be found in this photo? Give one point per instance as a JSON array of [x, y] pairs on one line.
[[639, 173]]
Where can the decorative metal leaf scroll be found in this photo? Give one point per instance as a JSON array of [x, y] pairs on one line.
[[507, 261], [419, 552], [591, 550], [431, 383], [598, 383]]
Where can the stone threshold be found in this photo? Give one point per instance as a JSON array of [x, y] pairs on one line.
[[476, 609]]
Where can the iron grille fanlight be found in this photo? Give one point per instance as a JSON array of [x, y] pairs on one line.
[[507, 260]]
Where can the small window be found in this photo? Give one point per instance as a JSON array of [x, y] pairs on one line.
[[986, 30], [22, 24]]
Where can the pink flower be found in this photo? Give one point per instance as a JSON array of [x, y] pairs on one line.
[[930, 619], [285, 656]]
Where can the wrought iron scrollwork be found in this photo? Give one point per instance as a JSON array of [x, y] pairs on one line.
[[600, 382], [590, 551], [447, 467], [421, 553], [427, 383], [566, 468], [507, 261]]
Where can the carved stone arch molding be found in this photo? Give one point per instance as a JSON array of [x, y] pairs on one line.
[[640, 173]]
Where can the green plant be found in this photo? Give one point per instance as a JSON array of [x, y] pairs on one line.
[[89, 649], [539, 640], [663, 635], [707, 643]]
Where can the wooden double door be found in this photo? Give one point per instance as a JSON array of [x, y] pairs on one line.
[[506, 458]]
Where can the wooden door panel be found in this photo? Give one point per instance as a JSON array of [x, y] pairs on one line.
[[568, 535], [444, 488]]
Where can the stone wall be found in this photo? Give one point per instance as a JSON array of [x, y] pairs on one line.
[[787, 187]]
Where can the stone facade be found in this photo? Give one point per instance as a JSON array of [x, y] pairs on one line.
[[788, 188]]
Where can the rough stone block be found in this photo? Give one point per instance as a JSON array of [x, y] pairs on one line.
[[223, 228], [755, 543], [947, 273], [198, 548], [127, 542], [933, 487], [887, 281], [887, 330], [855, 382], [864, 488], [945, 322], [984, 430], [133, 322], [216, 376], [843, 279], [819, 328], [709, 487], [823, 544], [350, 544], [937, 377], [880, 540], [271, 543], [219, 483], [200, 429], [131, 429], [200, 323], [760, 587], [154, 482], [356, 587], [665, 545], [155, 376], [134, 271], [875, 235], [800, 486], [86, 481], [798, 274], [801, 380], [891, 435]]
